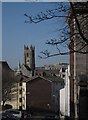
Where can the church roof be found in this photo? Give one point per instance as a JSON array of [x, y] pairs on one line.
[[27, 67]]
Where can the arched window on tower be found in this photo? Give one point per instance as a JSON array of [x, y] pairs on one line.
[[27, 55]]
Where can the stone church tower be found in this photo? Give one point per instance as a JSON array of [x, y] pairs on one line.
[[29, 57]]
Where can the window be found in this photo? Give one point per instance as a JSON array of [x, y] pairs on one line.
[[20, 91], [27, 61], [63, 69], [20, 99], [20, 107], [27, 54], [20, 84], [63, 76]]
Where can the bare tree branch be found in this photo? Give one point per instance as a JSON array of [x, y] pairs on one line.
[[78, 25], [79, 14], [41, 18], [46, 55]]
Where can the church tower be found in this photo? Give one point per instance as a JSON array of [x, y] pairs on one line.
[[29, 57]]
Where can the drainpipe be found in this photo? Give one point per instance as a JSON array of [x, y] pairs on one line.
[[75, 74]]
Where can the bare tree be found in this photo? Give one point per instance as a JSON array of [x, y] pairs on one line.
[[8, 80], [6, 95], [69, 12]]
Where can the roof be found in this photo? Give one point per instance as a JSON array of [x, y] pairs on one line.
[[54, 78], [47, 71], [49, 78], [5, 65], [8, 75], [55, 69], [29, 69]]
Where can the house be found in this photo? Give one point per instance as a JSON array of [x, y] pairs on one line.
[[13, 100], [44, 92], [65, 95]]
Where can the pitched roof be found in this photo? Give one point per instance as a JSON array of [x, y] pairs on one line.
[[49, 78], [54, 78], [29, 69], [5, 65]]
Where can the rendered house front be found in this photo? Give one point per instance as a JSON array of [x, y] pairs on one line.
[[43, 93]]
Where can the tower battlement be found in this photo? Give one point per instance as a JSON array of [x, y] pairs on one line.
[[29, 56]]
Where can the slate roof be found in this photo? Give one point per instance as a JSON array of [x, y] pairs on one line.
[[50, 78], [27, 67], [54, 78], [5, 65]]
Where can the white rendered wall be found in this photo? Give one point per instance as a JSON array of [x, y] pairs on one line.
[[67, 93], [62, 101], [65, 96]]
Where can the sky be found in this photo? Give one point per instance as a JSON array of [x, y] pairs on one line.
[[16, 33]]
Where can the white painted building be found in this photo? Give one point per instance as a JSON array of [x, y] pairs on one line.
[[18, 96], [65, 95], [22, 96]]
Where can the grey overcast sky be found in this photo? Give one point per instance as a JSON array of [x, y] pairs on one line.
[[16, 33]]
